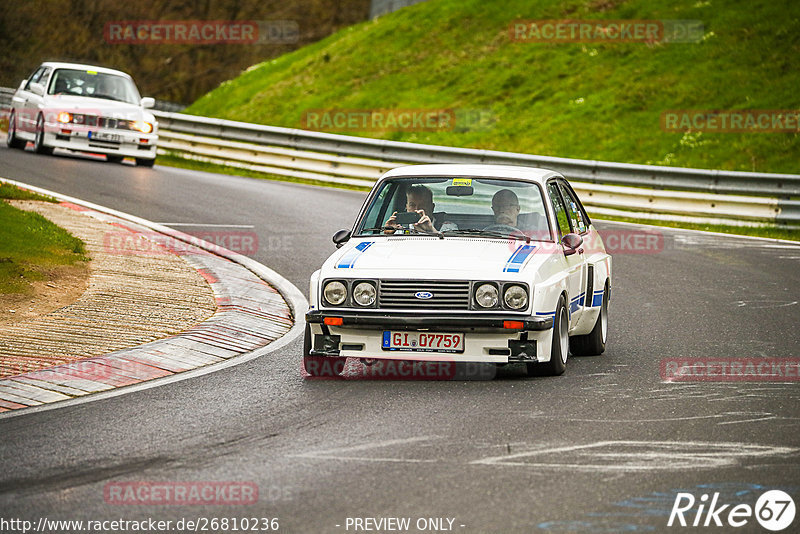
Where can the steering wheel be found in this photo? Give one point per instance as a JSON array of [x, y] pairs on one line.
[[507, 228]]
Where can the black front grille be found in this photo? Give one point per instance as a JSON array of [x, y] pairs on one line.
[[446, 294], [103, 122]]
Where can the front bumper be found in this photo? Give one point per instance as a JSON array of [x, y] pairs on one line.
[[487, 338], [433, 323], [130, 143]]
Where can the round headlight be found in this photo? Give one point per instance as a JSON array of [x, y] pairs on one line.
[[335, 293], [364, 294], [515, 297], [486, 296], [64, 117]]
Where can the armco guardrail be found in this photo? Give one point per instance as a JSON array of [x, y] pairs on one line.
[[710, 181], [5, 97], [658, 192], [610, 188]]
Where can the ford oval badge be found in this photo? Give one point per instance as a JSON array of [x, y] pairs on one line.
[[424, 295]]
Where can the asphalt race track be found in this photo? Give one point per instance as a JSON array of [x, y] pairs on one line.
[[604, 448]]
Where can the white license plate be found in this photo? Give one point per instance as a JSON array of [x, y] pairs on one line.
[[423, 341], [104, 136]]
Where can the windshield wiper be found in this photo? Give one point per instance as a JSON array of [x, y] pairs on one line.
[[401, 231], [486, 233]]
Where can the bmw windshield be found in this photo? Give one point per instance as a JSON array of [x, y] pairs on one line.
[[93, 84]]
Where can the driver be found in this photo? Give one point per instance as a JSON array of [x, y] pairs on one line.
[[505, 206], [108, 88], [419, 199]]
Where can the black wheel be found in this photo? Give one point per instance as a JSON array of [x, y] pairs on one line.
[[593, 343], [38, 142], [145, 162], [559, 349], [115, 159], [12, 140], [320, 366]]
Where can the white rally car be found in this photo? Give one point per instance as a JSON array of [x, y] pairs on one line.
[[462, 263], [83, 108]]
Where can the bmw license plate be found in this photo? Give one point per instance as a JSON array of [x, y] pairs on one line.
[[104, 136], [423, 341]]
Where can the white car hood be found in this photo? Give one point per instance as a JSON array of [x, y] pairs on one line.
[[97, 106], [418, 255]]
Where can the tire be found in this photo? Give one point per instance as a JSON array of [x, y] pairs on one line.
[[12, 140], [594, 343], [115, 159], [38, 142], [145, 162], [559, 349], [320, 366]]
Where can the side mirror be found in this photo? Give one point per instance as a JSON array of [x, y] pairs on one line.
[[341, 237], [148, 102], [37, 89], [571, 243]]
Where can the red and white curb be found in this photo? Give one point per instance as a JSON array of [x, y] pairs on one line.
[[255, 315]]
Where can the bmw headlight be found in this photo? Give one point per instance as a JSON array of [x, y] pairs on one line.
[[142, 126], [515, 297], [335, 293], [364, 294], [486, 296]]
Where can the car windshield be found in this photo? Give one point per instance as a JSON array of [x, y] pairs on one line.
[[94, 85], [457, 206]]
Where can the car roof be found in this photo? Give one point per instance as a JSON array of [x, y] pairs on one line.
[[473, 170], [80, 66]]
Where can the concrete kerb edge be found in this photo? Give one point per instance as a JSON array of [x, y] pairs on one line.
[[291, 294]]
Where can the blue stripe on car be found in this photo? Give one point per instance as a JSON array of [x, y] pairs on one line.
[[518, 258], [548, 314], [576, 302], [349, 259]]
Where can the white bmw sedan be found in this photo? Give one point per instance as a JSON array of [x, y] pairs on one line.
[[83, 108], [462, 263]]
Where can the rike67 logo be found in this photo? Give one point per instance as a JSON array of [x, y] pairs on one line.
[[774, 510]]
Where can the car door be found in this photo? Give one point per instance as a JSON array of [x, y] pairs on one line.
[[574, 263], [33, 102], [579, 223], [24, 122]]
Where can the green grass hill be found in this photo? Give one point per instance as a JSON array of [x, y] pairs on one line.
[[592, 100]]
